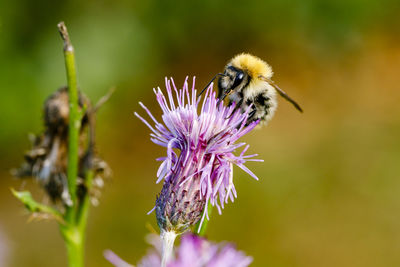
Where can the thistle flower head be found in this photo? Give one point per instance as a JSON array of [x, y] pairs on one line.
[[198, 252], [201, 138], [193, 251]]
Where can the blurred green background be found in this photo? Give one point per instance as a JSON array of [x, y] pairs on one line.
[[329, 189]]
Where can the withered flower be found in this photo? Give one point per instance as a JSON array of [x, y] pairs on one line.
[[47, 160]]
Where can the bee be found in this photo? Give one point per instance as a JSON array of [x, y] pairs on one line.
[[246, 81]]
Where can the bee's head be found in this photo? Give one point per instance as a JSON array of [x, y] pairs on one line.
[[240, 71], [233, 79]]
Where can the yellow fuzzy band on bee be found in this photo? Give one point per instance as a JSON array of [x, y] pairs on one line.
[[254, 66]]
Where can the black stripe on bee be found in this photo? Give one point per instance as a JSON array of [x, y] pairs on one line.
[[232, 68], [261, 99], [247, 82]]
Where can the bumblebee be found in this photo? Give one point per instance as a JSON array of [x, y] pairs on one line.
[[246, 81]]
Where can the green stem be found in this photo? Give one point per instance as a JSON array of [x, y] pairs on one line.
[[83, 211], [76, 215], [74, 120], [74, 240], [74, 235]]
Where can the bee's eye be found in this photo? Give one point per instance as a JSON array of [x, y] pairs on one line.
[[238, 79]]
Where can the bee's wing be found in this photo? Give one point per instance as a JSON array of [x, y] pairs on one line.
[[282, 93]]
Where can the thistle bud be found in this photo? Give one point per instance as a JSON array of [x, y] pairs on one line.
[[178, 207]]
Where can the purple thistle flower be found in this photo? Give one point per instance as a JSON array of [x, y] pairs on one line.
[[205, 134], [193, 251], [198, 252]]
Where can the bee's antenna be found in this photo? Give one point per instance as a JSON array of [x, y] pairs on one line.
[[282, 93], [202, 91]]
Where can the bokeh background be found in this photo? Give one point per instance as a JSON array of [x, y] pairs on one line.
[[329, 189]]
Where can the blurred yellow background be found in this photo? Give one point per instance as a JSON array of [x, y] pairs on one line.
[[329, 189]]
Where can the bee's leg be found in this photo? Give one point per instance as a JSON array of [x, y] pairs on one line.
[[250, 118], [251, 114]]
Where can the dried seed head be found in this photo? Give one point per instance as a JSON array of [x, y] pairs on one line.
[[56, 111], [47, 160]]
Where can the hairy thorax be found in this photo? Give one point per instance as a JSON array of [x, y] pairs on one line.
[[260, 96]]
